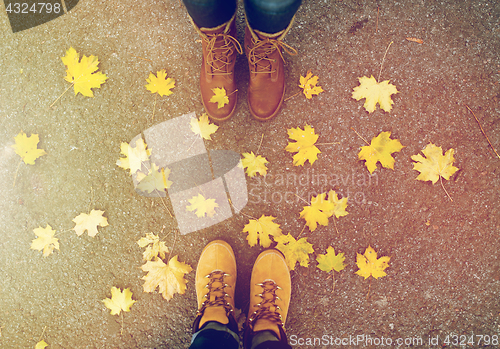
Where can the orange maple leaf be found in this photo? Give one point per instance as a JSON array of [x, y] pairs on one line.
[[168, 277], [83, 74], [261, 229], [308, 84], [294, 250], [27, 147], [369, 265], [219, 97]]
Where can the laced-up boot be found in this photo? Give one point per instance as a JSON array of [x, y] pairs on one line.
[[270, 289], [266, 89], [220, 49], [215, 282]]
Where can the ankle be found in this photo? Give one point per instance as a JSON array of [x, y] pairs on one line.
[[263, 336]]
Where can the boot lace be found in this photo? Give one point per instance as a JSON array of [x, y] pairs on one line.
[[216, 295], [220, 47], [259, 54], [267, 308]]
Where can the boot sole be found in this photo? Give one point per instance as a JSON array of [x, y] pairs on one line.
[[273, 114]]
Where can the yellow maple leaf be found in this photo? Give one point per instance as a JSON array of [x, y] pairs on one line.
[[202, 206], [434, 164], [318, 212], [339, 205], [294, 250], [89, 222], [308, 84], [27, 147], [155, 180], [304, 145], [133, 156], [41, 344], [380, 150], [160, 83], [169, 278], [254, 164], [261, 229], [154, 247], [369, 265], [82, 74], [374, 93], [219, 97], [331, 261], [203, 127], [120, 300], [45, 240]]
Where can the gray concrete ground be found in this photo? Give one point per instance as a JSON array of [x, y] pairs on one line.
[[444, 274]]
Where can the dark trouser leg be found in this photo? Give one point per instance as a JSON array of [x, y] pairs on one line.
[[215, 336], [270, 16], [267, 340], [210, 13]]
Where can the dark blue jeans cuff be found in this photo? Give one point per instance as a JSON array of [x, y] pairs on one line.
[[215, 336], [210, 13], [270, 16]]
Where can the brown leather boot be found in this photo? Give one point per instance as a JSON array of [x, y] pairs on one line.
[[220, 49], [270, 290], [215, 282], [266, 89]]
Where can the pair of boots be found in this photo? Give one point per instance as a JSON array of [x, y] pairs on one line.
[[270, 289], [266, 87]]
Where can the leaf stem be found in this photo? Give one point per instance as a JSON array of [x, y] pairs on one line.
[[301, 199], [172, 249], [64, 231], [369, 288], [240, 211], [484, 133], [441, 180], [188, 149], [334, 281], [165, 206], [144, 59], [154, 107], [50, 106], [261, 139], [327, 143], [15, 175], [91, 198], [39, 339], [286, 99], [236, 90], [302, 231], [335, 225], [383, 59], [360, 136], [244, 214], [121, 331]]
